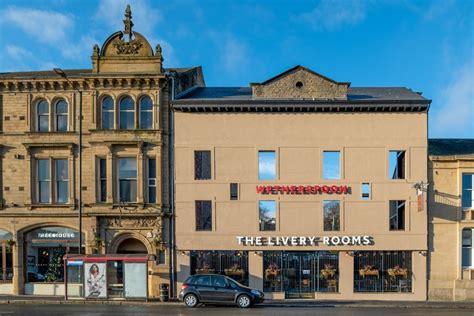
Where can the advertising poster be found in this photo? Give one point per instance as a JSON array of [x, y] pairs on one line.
[[96, 283]]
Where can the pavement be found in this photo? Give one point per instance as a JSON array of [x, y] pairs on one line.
[[58, 300], [174, 309]]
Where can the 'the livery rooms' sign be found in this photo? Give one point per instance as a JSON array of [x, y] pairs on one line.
[[305, 240]]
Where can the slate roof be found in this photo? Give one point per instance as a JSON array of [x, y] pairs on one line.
[[450, 146], [359, 94], [42, 74]]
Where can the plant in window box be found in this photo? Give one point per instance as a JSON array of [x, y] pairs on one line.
[[328, 272], [234, 270], [206, 268], [397, 271], [369, 270], [272, 271], [10, 244]]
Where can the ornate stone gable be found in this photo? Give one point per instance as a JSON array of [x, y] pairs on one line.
[[127, 51], [300, 83]]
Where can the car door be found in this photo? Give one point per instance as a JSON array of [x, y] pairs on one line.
[[223, 291], [202, 285]]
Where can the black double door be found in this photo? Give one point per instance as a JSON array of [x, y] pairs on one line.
[[299, 274]]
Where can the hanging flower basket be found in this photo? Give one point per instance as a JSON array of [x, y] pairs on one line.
[[329, 272], [369, 270], [235, 270], [397, 271], [205, 269]]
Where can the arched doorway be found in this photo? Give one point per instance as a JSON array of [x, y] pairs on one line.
[[131, 246]]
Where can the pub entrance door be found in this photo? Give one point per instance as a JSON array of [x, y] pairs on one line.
[[299, 274]]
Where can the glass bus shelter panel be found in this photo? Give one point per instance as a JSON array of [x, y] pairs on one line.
[[135, 280]]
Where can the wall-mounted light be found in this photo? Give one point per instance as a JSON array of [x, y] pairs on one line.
[[350, 253], [257, 253], [183, 253], [423, 253]]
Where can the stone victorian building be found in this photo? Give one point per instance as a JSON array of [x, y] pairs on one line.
[[451, 219], [124, 99]]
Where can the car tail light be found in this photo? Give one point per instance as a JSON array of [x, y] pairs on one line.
[[184, 286]]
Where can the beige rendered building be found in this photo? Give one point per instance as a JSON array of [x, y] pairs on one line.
[[451, 219], [124, 99], [302, 186]]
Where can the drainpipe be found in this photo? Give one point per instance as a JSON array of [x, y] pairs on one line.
[[170, 75]]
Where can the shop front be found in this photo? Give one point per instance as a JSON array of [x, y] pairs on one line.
[[44, 249], [6, 262]]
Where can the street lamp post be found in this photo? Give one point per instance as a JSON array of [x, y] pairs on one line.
[[63, 74]]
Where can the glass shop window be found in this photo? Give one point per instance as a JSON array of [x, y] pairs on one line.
[[233, 264]]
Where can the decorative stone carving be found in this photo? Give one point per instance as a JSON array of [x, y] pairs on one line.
[[133, 222], [95, 50], [128, 48]]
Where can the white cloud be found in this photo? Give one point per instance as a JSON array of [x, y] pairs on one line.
[[144, 16], [18, 53], [455, 115], [45, 26], [234, 54], [79, 49], [333, 14]]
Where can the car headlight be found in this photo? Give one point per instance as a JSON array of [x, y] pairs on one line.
[[255, 292]]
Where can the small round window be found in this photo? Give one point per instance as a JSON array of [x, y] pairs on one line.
[[299, 85]]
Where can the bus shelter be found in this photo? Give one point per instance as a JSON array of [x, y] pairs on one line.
[[106, 277]]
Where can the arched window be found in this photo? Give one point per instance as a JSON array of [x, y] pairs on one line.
[[107, 113], [126, 114], [42, 111], [61, 116], [146, 113]]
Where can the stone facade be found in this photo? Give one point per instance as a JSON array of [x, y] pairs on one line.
[[448, 280], [124, 68], [300, 83]]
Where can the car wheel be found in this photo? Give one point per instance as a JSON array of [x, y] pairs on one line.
[[243, 301], [191, 300]]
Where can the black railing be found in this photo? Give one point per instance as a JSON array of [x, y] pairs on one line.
[[382, 271]]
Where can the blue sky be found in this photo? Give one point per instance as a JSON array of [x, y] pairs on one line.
[[424, 45]]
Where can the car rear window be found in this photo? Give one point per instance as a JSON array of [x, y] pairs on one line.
[[202, 280]]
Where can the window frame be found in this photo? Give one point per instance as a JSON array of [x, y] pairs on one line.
[[38, 115], [469, 248], [471, 189], [261, 225], [52, 181], [202, 177], [259, 173], [197, 210], [57, 116], [101, 179], [323, 176], [405, 164], [133, 111], [112, 112], [140, 111], [338, 227], [119, 196], [397, 214], [151, 181]]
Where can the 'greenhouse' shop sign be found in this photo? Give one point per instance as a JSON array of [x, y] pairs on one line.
[[305, 240]]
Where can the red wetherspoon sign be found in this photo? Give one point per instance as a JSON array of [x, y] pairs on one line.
[[303, 189]]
